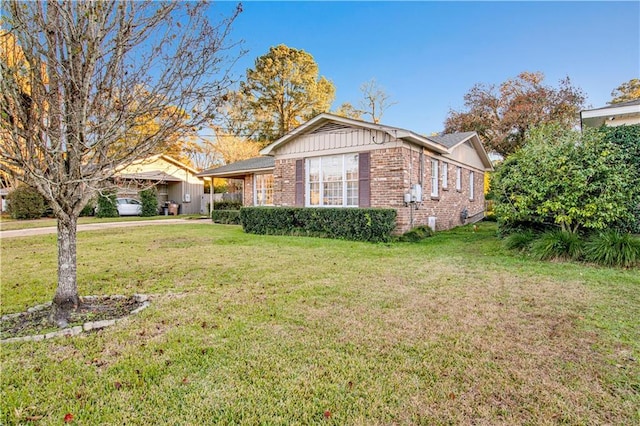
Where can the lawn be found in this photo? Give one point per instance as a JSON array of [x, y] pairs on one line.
[[247, 329], [8, 224]]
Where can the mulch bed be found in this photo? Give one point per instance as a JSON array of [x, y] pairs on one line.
[[36, 321]]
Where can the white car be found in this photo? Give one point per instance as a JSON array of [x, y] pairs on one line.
[[128, 207]]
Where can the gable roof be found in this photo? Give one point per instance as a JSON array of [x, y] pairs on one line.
[[443, 144], [255, 164], [322, 119]]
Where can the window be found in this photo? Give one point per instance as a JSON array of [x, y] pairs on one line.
[[263, 190], [332, 181], [445, 175], [434, 178], [458, 178], [471, 185]]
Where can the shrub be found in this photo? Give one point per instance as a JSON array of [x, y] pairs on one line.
[[613, 248], [520, 240], [558, 245], [350, 224], [227, 205], [25, 202], [149, 199], [227, 217], [107, 205], [88, 209], [416, 234]]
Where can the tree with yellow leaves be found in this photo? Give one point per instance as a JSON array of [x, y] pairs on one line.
[[87, 79]]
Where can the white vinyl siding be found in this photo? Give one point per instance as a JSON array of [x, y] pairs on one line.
[[332, 181], [434, 178], [471, 186]]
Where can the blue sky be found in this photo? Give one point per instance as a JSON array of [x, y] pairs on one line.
[[427, 55]]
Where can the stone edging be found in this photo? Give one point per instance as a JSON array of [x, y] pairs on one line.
[[73, 331]]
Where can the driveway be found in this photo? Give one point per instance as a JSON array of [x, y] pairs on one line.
[[98, 226]]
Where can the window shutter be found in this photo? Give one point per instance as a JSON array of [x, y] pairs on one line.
[[364, 179], [299, 182]]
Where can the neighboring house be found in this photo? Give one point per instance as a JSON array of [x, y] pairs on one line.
[[173, 180], [612, 115], [333, 161]]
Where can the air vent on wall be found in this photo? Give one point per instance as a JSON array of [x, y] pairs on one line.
[[331, 127]]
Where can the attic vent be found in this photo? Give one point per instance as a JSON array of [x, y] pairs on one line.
[[331, 127]]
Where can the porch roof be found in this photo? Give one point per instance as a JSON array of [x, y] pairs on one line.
[[241, 168]]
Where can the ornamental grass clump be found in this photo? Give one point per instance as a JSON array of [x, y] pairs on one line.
[[562, 245], [613, 248], [520, 240]]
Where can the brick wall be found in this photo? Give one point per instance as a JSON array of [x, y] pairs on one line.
[[393, 171], [284, 182], [247, 195]]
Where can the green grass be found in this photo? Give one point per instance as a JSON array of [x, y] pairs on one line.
[[8, 224], [247, 329]]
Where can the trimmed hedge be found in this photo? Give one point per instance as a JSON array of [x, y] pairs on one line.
[[227, 217], [227, 205], [374, 225], [25, 202]]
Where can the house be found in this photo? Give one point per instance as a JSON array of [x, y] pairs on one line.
[[612, 115], [173, 180], [332, 161]]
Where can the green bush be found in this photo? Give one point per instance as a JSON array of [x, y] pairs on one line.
[[558, 245], [107, 205], [613, 248], [25, 202], [149, 199], [416, 234], [88, 209], [372, 225], [227, 217], [227, 205]]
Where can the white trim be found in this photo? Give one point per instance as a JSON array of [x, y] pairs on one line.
[[610, 110], [445, 175], [435, 172], [320, 182]]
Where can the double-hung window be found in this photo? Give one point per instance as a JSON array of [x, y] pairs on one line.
[[332, 181], [434, 178], [263, 190], [458, 178], [471, 185], [445, 175]]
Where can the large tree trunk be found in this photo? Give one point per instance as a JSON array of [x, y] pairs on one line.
[[66, 299]]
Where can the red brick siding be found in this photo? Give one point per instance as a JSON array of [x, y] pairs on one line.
[[393, 171]]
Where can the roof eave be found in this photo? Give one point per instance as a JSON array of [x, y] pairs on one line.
[[234, 173]]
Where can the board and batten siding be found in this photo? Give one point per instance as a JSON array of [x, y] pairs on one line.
[[329, 140]]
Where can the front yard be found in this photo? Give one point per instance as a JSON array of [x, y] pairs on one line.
[[247, 329]]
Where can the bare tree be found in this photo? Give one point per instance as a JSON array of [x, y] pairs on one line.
[[77, 104], [376, 101]]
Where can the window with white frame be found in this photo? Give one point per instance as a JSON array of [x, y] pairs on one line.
[[263, 190], [458, 178], [471, 185], [434, 178], [332, 181], [445, 175]]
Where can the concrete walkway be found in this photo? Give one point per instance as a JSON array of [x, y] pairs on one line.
[[98, 226]]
